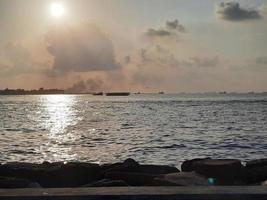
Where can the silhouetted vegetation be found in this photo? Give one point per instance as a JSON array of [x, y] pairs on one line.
[[30, 92]]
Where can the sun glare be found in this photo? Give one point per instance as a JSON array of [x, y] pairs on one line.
[[57, 9]]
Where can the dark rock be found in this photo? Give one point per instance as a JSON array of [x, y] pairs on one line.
[[28, 171], [159, 181], [107, 183], [257, 163], [190, 165], [107, 167], [130, 162], [131, 178], [264, 183], [11, 182], [73, 174], [131, 165], [255, 171], [225, 171], [157, 169], [128, 165], [254, 174], [185, 179]]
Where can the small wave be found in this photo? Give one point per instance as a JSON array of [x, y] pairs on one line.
[[26, 130], [235, 146], [173, 146]]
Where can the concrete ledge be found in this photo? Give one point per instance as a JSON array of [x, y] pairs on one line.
[[138, 193]]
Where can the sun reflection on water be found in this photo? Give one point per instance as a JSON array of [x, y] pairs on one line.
[[60, 116]]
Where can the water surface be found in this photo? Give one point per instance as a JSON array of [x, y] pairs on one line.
[[159, 129]]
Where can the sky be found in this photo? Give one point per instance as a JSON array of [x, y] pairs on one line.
[[134, 45]]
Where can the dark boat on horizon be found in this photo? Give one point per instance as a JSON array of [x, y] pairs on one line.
[[98, 93], [118, 94]]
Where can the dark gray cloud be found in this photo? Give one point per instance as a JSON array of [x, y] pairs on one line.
[[171, 28], [127, 59], [232, 11], [175, 25], [160, 56], [261, 60], [89, 85], [160, 32], [80, 49]]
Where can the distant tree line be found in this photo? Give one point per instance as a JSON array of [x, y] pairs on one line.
[[30, 92]]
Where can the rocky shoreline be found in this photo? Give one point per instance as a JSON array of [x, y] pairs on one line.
[[195, 172]]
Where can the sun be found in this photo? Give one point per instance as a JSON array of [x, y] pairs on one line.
[[57, 9]]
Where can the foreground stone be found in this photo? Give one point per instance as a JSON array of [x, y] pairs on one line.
[[107, 183], [190, 165], [185, 179], [255, 171], [73, 174], [131, 165], [224, 171], [132, 178], [10, 182], [196, 172]]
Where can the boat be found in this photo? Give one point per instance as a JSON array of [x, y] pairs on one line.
[[118, 94], [161, 92], [98, 93]]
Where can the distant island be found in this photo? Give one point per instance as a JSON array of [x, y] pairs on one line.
[[43, 91], [30, 92]]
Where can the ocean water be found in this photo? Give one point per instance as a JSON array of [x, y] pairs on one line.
[[158, 129]]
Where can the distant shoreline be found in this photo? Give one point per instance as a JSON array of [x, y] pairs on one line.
[[55, 91]]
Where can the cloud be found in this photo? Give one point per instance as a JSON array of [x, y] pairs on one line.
[[202, 62], [261, 60], [89, 85], [18, 60], [80, 49], [232, 11], [17, 54], [175, 25], [158, 55], [160, 32], [171, 28]]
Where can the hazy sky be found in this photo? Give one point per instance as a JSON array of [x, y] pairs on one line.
[[136, 45]]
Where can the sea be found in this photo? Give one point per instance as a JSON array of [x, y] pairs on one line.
[[150, 128]]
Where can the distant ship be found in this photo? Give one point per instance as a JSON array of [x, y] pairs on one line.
[[98, 93], [161, 92], [118, 94]]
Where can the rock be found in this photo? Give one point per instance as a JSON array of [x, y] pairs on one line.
[[130, 162], [255, 171], [252, 175], [131, 178], [264, 183], [257, 163], [107, 183], [11, 182], [225, 171], [190, 165], [184, 179], [28, 171], [157, 169], [159, 181], [131, 165], [73, 174]]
